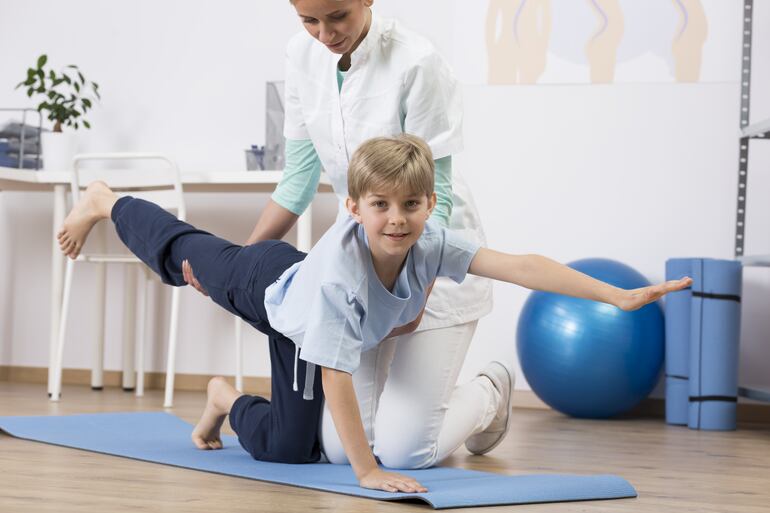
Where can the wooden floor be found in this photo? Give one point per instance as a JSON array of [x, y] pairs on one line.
[[673, 468]]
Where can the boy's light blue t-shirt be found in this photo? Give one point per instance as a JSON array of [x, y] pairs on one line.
[[333, 305]]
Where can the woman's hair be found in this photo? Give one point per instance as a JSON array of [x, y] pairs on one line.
[[400, 162]]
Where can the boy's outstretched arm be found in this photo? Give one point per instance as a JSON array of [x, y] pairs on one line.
[[341, 399], [541, 273]]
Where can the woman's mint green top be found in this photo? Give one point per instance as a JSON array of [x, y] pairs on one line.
[[302, 172]]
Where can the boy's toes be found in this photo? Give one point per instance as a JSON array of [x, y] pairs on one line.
[[215, 444], [68, 244]]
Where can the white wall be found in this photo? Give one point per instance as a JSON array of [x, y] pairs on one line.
[[636, 172]]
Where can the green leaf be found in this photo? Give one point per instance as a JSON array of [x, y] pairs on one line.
[[87, 102], [41, 89], [51, 94], [77, 87], [30, 91], [40, 73], [76, 126], [81, 77], [52, 75], [41, 61], [66, 78], [31, 72], [86, 124]]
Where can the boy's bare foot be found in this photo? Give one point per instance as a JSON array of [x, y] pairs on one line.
[[95, 204], [221, 396]]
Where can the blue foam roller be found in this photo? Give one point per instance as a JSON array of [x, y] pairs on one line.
[[678, 343], [715, 319]]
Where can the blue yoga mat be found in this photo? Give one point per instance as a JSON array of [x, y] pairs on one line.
[[162, 438]]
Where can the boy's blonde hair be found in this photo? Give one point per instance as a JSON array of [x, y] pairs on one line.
[[400, 162]]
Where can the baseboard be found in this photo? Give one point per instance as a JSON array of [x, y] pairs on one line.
[[748, 411], [111, 378]]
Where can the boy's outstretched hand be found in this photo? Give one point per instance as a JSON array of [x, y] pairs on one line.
[[378, 479], [636, 298]]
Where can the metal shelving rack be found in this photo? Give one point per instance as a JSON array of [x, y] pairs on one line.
[[748, 132]]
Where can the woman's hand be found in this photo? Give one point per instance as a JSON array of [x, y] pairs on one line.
[[189, 278], [637, 298], [378, 479]]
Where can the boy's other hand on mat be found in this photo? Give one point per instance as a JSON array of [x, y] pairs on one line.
[[378, 479], [637, 298], [189, 278]]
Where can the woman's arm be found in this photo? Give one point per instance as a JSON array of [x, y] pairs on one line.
[[341, 398], [291, 197], [274, 222], [443, 187], [540, 273], [293, 194]]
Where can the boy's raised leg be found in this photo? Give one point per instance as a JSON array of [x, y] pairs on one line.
[[220, 398], [94, 205]]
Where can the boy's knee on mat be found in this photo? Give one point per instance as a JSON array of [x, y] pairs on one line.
[[281, 455]]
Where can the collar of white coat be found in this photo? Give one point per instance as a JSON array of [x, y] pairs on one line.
[[380, 30]]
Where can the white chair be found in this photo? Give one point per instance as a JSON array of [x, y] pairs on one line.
[[161, 185]]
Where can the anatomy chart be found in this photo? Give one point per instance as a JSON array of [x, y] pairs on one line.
[[507, 42]]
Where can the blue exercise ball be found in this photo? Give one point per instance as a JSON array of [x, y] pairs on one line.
[[590, 359]]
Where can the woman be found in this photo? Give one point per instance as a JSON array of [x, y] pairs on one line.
[[349, 77]]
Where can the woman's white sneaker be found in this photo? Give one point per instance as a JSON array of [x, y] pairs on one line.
[[502, 377]]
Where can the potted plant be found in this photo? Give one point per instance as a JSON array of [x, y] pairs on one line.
[[66, 97]]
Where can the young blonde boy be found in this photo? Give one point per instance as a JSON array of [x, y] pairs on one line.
[[365, 280]]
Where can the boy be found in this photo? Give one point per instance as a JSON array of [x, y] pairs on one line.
[[368, 275]]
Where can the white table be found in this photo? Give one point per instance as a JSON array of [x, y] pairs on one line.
[[59, 182]]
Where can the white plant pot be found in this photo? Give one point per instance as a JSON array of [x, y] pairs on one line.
[[59, 149]]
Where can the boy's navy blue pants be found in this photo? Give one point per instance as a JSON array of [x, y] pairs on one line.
[[284, 429]]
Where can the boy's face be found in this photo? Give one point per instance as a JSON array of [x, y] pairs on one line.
[[393, 221]]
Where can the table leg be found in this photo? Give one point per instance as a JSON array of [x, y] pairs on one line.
[[129, 327], [305, 230], [57, 275], [100, 309]]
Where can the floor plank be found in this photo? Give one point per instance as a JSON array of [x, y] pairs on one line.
[[673, 468]]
